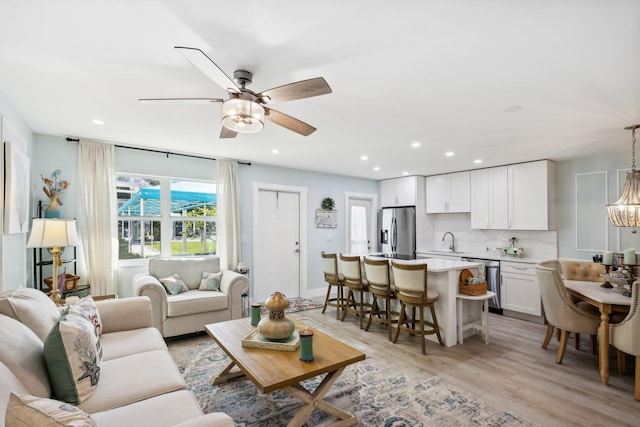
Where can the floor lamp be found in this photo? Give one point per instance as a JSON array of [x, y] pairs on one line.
[[55, 235]]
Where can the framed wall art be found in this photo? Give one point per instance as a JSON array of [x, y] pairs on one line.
[[16, 191]]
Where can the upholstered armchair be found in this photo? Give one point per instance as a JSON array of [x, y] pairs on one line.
[[561, 312], [625, 336], [189, 292]]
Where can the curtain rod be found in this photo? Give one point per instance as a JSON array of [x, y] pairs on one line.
[[193, 156]]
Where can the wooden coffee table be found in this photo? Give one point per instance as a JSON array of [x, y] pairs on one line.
[[283, 370]]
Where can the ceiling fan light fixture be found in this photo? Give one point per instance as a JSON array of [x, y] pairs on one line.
[[626, 211], [242, 115]]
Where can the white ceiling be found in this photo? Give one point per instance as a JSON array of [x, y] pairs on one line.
[[442, 73]]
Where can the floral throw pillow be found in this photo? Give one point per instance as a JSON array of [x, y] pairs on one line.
[[174, 284], [73, 355], [86, 307], [210, 281], [24, 410]]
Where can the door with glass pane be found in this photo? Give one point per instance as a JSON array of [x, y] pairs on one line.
[[359, 226], [277, 246]]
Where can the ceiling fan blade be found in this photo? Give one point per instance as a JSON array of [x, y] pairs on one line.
[[297, 90], [179, 101], [209, 68], [227, 133], [289, 122]]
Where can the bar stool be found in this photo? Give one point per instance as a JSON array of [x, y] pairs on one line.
[[379, 278], [411, 289], [333, 278], [483, 326], [352, 273]]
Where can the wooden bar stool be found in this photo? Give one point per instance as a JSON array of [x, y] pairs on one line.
[[352, 273], [379, 279], [333, 279]]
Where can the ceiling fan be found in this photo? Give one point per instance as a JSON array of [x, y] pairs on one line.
[[244, 111]]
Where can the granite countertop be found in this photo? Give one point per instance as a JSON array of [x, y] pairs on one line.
[[434, 265], [482, 255]]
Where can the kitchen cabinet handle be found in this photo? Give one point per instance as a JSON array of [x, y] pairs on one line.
[[518, 268]]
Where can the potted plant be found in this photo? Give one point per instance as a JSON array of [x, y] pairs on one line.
[[328, 204]]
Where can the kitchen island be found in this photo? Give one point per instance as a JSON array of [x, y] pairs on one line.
[[443, 276]]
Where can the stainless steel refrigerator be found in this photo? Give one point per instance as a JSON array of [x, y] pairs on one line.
[[398, 232]]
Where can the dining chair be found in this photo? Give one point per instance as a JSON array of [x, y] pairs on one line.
[[561, 312], [625, 336], [379, 278], [357, 285], [333, 279], [410, 281]]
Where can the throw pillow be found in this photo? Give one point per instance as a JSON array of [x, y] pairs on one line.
[[210, 281], [174, 284], [86, 307], [73, 356], [24, 410]]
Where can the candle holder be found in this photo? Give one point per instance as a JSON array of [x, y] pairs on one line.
[[255, 313], [606, 284], [306, 345]]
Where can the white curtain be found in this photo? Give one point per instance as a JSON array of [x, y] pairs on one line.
[[359, 243], [228, 222], [97, 216]]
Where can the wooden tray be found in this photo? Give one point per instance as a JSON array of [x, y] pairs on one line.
[[254, 339]]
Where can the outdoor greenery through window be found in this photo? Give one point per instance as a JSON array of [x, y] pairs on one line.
[[163, 217]]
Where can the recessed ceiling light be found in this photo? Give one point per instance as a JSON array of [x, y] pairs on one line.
[[98, 122], [405, 173], [364, 157], [449, 153], [415, 144], [377, 168], [477, 161], [275, 151], [512, 109]]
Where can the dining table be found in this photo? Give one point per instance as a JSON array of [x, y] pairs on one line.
[[607, 301]]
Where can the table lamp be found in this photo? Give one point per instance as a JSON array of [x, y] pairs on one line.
[[54, 234]]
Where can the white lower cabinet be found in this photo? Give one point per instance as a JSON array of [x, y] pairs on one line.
[[520, 289]]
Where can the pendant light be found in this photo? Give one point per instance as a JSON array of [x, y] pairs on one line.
[[626, 211]]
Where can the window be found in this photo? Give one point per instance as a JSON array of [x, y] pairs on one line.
[[163, 217]]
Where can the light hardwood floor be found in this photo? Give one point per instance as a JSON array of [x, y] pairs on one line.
[[514, 372]]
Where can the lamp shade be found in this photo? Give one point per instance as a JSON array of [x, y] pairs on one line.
[[242, 115], [51, 233]]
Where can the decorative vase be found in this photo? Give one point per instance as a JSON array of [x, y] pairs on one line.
[[276, 326], [53, 210]]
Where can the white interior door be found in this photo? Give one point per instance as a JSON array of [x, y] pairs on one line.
[[277, 246], [359, 226]]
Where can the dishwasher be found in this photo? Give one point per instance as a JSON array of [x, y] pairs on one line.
[[492, 274]]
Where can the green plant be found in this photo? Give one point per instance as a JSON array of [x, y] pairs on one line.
[[328, 204]]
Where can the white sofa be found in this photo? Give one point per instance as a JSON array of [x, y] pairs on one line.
[[189, 311], [139, 383]]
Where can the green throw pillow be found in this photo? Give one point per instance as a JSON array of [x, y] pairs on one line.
[[73, 356], [210, 281], [174, 284]]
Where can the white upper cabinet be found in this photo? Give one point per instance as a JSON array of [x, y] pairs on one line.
[[515, 197], [530, 192], [399, 192], [449, 193], [489, 203]]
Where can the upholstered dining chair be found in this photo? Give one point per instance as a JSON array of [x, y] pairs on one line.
[[410, 283], [625, 336], [357, 285], [561, 312], [333, 279], [379, 278]]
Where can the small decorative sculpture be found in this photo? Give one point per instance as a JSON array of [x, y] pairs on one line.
[[276, 326]]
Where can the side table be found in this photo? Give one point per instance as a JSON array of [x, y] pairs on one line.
[[483, 326], [245, 296]]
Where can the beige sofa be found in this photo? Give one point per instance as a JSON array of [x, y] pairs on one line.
[[189, 311], [139, 383]]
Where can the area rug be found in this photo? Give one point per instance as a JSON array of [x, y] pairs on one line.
[[298, 304], [380, 393]]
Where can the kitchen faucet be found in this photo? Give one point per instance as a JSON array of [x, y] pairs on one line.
[[452, 246]]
